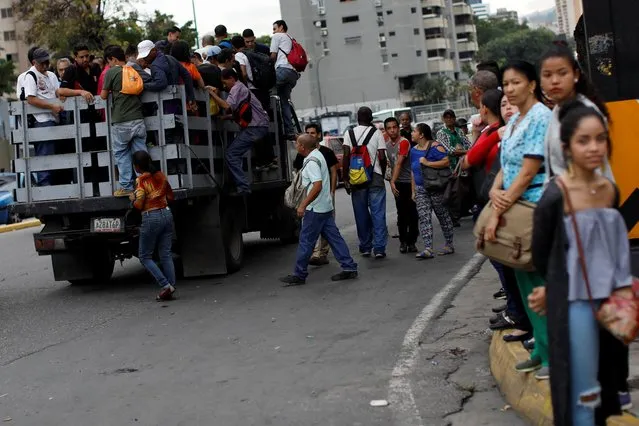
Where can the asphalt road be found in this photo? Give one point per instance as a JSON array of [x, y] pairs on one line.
[[235, 350]]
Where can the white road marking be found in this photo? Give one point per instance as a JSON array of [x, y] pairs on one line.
[[400, 393]]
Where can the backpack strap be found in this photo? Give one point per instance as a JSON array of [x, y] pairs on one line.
[[351, 135], [23, 96], [370, 135]]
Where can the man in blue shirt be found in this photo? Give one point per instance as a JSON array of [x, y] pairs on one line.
[[316, 211]]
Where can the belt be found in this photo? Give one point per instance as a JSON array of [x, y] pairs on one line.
[[156, 210]]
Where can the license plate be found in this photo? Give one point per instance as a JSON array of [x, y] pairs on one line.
[[107, 224]]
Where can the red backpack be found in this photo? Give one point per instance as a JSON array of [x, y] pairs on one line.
[[297, 56]]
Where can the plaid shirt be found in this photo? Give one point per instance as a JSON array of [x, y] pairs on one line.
[[444, 138]]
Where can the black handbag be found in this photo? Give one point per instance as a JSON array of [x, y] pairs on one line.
[[457, 188], [435, 179]]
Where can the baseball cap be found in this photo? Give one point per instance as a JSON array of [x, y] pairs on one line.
[[449, 113], [225, 45], [41, 55], [144, 48]]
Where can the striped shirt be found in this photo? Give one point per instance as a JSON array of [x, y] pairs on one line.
[[152, 192]]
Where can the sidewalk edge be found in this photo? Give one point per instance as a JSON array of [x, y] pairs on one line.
[[20, 225]]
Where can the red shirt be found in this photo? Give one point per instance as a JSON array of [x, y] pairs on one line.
[[153, 192], [485, 149], [404, 146]]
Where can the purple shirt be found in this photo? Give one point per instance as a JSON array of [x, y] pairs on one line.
[[238, 94]]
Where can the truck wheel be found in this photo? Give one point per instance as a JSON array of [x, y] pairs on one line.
[[233, 240]]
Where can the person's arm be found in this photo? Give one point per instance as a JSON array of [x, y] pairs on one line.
[[412, 184], [140, 197], [383, 161], [275, 47], [221, 102], [158, 80], [440, 164], [529, 170], [188, 82], [312, 195], [69, 93], [104, 94], [544, 224], [404, 149], [41, 103], [333, 179], [478, 154], [244, 72]]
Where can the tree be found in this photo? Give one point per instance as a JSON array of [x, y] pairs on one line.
[[264, 39], [433, 90], [7, 77], [495, 28], [155, 28], [126, 31]]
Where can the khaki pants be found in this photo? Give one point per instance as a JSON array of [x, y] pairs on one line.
[[322, 247]]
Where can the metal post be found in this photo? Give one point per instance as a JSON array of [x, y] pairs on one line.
[[319, 83], [197, 37]]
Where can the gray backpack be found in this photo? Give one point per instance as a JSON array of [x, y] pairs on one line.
[[296, 192]]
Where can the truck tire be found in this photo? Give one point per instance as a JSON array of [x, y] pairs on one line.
[[233, 240]]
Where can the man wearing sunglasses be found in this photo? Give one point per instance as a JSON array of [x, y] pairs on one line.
[[41, 90]]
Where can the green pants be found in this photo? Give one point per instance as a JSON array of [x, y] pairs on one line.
[[527, 281]]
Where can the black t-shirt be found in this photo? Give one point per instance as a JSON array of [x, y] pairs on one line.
[[329, 156], [211, 74], [75, 78]]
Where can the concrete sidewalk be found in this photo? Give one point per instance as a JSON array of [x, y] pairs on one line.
[[531, 397], [27, 223]]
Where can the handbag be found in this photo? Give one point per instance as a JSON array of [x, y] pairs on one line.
[[513, 245], [619, 314], [296, 192], [435, 179], [457, 189]]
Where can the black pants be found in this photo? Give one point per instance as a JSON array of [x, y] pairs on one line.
[[406, 214]]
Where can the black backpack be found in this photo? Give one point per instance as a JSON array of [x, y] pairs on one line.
[[23, 97], [263, 69]]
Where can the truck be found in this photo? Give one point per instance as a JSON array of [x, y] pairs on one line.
[[86, 229]]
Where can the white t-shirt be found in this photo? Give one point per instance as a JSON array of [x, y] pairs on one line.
[[242, 59], [45, 89], [313, 172], [376, 143], [281, 43]]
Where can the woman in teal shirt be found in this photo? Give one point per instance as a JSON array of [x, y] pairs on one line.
[[522, 178]]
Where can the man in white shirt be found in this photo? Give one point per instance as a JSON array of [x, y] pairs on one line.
[[369, 201], [40, 88], [281, 46], [316, 209], [20, 80]]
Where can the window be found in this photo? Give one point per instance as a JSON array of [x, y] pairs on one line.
[[380, 14], [413, 10], [353, 40], [382, 44], [6, 12], [344, 1], [416, 31], [391, 34], [9, 35], [436, 53], [418, 53], [394, 55], [349, 19], [384, 59], [13, 57], [389, 12]]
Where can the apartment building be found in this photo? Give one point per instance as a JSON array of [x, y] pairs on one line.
[[12, 45], [568, 13], [504, 13], [481, 10], [372, 51]]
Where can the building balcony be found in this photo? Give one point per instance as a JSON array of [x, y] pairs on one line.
[[438, 43], [465, 28], [435, 22], [462, 9], [437, 65], [467, 46], [434, 3]]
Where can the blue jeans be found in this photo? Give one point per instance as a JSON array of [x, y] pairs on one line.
[[286, 81], [127, 138], [369, 207], [44, 148], [314, 225], [584, 362], [236, 150], [157, 231]]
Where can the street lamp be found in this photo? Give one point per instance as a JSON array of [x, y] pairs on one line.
[[319, 83], [197, 37]]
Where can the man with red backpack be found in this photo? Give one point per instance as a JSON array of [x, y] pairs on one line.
[[290, 59]]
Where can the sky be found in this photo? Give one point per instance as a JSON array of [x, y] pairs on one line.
[[260, 14]]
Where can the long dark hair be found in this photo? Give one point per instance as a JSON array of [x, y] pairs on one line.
[[180, 50], [491, 99], [529, 71], [570, 115], [143, 161], [583, 86], [425, 130]]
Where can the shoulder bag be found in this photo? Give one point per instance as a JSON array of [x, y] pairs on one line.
[[619, 314], [435, 179], [296, 192]]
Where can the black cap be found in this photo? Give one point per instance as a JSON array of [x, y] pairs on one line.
[[449, 113], [461, 122]]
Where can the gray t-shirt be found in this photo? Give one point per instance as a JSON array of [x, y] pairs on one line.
[[393, 150]]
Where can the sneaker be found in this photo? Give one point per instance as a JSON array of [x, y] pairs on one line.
[[529, 344], [292, 280], [380, 255], [543, 373], [344, 275], [412, 248], [528, 365], [497, 317], [365, 253], [166, 293], [503, 323], [123, 192], [426, 254], [500, 295], [403, 248], [499, 309], [318, 261], [446, 251], [625, 401]]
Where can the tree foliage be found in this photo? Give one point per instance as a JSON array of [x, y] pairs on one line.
[[156, 26], [433, 90], [7, 77], [264, 39], [502, 40]]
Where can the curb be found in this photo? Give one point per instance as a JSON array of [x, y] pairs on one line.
[[528, 396], [31, 223]]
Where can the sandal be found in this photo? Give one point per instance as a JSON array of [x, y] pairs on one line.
[[426, 254], [446, 251]]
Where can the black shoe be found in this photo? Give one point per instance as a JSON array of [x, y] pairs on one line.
[[412, 248], [500, 295], [395, 236], [457, 224], [499, 309], [365, 253], [515, 338], [504, 323], [292, 280], [403, 248], [529, 344], [239, 193], [380, 255], [344, 275], [318, 261], [496, 318]]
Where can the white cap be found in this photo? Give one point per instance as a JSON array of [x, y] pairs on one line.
[[144, 48]]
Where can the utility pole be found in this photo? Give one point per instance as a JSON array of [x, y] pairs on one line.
[[197, 37]]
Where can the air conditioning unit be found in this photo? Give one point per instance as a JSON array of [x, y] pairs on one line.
[[321, 10], [382, 38], [378, 3], [324, 32]]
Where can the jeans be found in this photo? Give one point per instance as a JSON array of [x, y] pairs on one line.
[[44, 148], [236, 150], [369, 207], [406, 214], [314, 225], [157, 231], [514, 306], [321, 248], [286, 81], [584, 362], [127, 138]]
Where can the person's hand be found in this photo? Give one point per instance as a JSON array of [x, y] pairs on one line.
[[347, 186], [501, 131], [57, 108], [423, 161], [477, 123], [142, 63], [132, 196], [300, 211], [394, 188], [490, 232], [87, 96], [537, 300], [500, 199], [62, 98], [191, 106]]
